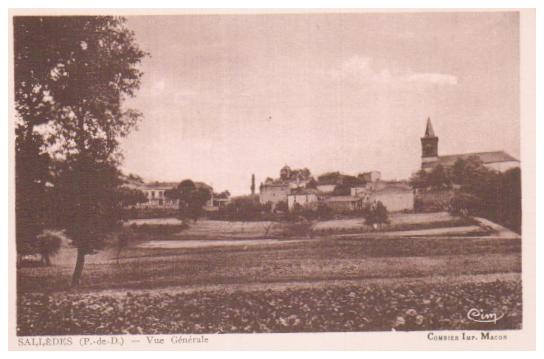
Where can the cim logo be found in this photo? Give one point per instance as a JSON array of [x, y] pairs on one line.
[[480, 316]]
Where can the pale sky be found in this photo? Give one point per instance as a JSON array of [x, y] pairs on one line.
[[227, 96]]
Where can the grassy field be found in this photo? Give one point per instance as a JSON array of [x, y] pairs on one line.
[[318, 259], [295, 268]]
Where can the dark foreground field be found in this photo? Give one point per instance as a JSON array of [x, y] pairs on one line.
[[320, 284], [383, 307]]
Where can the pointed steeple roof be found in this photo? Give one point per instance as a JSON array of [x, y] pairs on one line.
[[429, 132]]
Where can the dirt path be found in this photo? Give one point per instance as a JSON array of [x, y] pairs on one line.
[[499, 230], [445, 231], [213, 243]]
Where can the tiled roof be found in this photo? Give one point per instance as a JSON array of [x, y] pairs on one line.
[[485, 157]]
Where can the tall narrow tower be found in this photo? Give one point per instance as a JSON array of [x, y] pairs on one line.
[[429, 147], [253, 184]]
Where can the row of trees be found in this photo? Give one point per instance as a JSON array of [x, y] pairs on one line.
[[478, 190], [72, 76]]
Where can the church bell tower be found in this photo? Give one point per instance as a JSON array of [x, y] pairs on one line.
[[429, 146]]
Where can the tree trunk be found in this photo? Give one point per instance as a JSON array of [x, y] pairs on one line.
[[79, 267]]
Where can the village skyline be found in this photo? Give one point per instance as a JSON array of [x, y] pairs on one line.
[[348, 93]]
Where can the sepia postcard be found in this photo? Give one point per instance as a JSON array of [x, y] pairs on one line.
[[272, 179]]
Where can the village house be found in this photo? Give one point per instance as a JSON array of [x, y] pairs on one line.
[[361, 192], [220, 199], [394, 195], [274, 191], [344, 204], [369, 181], [304, 197], [157, 199], [370, 177]]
